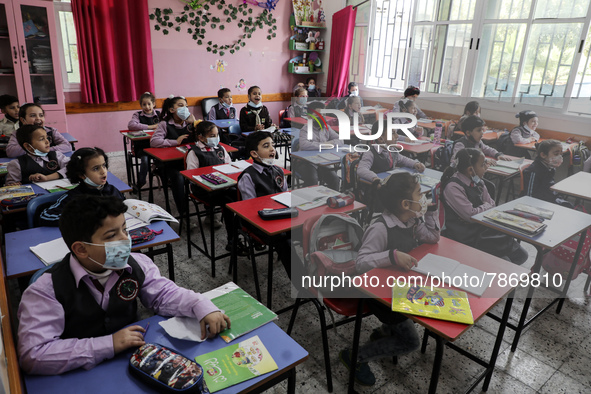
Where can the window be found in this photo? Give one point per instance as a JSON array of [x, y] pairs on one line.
[[513, 51], [357, 63], [69, 47]]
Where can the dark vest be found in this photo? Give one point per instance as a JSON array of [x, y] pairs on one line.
[[211, 158], [172, 132], [399, 238], [84, 317], [149, 120], [381, 163], [220, 112], [299, 111], [467, 143], [30, 167], [266, 183], [458, 229]]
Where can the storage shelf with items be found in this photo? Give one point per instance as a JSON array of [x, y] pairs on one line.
[[305, 39]]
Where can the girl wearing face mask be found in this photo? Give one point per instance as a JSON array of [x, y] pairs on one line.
[[174, 121], [299, 107], [407, 222], [539, 176], [464, 195], [254, 115], [313, 90], [88, 168]]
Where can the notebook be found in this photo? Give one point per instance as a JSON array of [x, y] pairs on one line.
[[51, 252]]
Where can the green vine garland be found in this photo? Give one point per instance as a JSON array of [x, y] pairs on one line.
[[199, 16]]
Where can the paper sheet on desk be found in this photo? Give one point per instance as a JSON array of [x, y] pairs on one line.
[[187, 328], [56, 185]]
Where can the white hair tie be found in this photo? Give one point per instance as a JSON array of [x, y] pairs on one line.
[[147, 93], [171, 96]]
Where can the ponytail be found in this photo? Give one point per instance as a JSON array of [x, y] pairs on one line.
[[167, 105], [465, 158]]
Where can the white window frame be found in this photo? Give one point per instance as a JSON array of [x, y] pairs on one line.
[[58, 7]]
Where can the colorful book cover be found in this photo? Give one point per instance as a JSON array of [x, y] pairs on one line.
[[541, 212], [16, 191], [245, 312], [235, 364], [514, 222], [442, 304]]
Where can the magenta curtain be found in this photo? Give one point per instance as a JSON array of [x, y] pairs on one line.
[[114, 49], [341, 41]]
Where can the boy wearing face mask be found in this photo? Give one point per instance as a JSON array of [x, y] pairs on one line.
[[39, 163], [255, 116], [81, 311], [313, 91], [224, 109]]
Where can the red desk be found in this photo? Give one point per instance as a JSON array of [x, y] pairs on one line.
[[297, 119], [445, 331], [247, 210], [131, 161], [416, 149]]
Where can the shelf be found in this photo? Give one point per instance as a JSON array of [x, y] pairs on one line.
[[308, 50], [312, 27], [315, 72]]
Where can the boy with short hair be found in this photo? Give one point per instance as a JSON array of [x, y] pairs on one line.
[[225, 109], [9, 107], [78, 313]]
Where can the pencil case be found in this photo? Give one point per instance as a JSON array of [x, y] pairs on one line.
[[525, 215], [281, 213], [143, 234], [167, 370], [216, 180], [17, 202]]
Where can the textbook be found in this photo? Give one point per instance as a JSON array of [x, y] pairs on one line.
[[514, 164], [245, 312], [141, 213], [56, 185], [3, 168], [15, 191], [428, 181], [311, 197], [51, 252], [447, 269], [236, 363], [513, 222], [442, 304]]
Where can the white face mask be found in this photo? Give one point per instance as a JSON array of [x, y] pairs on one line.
[[424, 205], [354, 93], [555, 161], [183, 113], [260, 104], [116, 252], [213, 142], [302, 100], [311, 87], [268, 161]]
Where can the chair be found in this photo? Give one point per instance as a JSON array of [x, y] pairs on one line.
[[235, 129], [38, 274], [37, 204], [206, 105]]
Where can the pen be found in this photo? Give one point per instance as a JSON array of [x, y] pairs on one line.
[[146, 329]]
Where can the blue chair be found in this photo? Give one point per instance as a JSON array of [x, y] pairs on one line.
[[37, 204], [38, 274], [235, 129]]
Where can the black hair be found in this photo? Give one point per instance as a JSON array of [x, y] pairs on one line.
[[524, 116], [253, 140], [166, 115], [471, 108], [6, 100], [405, 104], [315, 106], [223, 91], [464, 159], [398, 187], [309, 79], [411, 91], [76, 167], [24, 134], [472, 122], [85, 214], [147, 95], [351, 85], [350, 100], [22, 112], [202, 128], [250, 89], [546, 145]]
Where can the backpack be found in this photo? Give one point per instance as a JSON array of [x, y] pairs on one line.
[[504, 143], [442, 156], [580, 154], [331, 243], [350, 162], [284, 124]]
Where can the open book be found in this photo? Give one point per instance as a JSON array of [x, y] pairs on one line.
[[514, 164], [473, 280], [51, 252], [141, 213], [513, 222], [56, 185], [311, 197], [233, 168]]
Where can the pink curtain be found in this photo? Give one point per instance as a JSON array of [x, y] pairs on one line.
[[114, 49], [341, 41]]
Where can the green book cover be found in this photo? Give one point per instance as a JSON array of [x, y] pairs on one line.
[[235, 364], [245, 312]]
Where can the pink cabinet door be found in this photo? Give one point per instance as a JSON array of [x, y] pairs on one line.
[[11, 80]]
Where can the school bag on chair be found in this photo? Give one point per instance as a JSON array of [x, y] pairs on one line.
[[442, 156], [579, 156]]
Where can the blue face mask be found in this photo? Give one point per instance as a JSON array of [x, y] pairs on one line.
[[476, 179], [37, 152], [225, 105], [213, 142], [91, 183], [260, 104], [311, 87], [302, 100], [116, 252], [183, 113]]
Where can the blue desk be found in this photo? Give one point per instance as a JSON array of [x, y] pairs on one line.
[[113, 376], [304, 154], [71, 139], [225, 123], [431, 173], [20, 261]]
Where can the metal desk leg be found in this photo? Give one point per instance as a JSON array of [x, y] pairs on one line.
[[170, 262], [572, 270], [291, 381], [187, 217], [127, 160], [439, 348], [355, 349], [234, 255], [270, 277], [212, 239], [151, 191], [498, 341]]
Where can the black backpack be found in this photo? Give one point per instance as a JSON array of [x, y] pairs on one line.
[[442, 156], [580, 154], [504, 143]]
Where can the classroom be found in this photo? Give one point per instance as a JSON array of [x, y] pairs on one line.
[[371, 195]]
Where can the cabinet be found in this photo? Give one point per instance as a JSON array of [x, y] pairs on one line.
[[307, 61], [29, 57]]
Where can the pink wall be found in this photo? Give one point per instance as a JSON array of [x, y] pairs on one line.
[[181, 67]]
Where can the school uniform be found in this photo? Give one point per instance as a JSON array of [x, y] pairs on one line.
[[8, 125], [67, 317], [312, 173], [373, 162], [297, 111], [26, 165], [218, 111], [141, 121], [538, 177], [488, 151], [519, 135], [420, 113], [350, 113], [251, 116], [57, 142], [50, 217], [314, 92], [414, 130]]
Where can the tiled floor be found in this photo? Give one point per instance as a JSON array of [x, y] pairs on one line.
[[554, 355]]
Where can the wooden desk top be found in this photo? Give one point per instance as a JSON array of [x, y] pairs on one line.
[[564, 224], [577, 185], [465, 255]]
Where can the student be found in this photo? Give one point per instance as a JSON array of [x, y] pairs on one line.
[[33, 114], [411, 93], [538, 177], [39, 163], [254, 115], [352, 91], [406, 222], [81, 311], [525, 133], [173, 130], [312, 173], [473, 128], [408, 106], [146, 119], [471, 109], [207, 151], [264, 178], [88, 168], [313, 91], [224, 109], [354, 107], [9, 106], [298, 108], [465, 195]]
